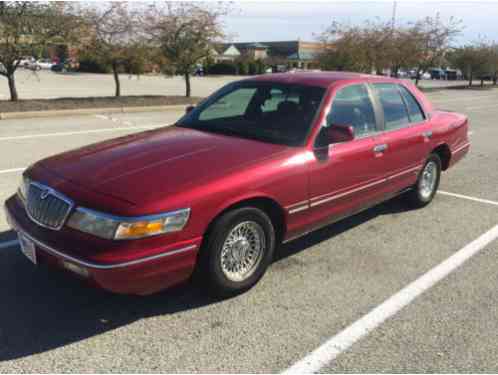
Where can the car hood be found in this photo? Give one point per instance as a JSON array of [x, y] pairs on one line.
[[161, 161]]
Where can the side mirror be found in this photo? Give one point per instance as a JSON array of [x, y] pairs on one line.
[[189, 109], [340, 133]]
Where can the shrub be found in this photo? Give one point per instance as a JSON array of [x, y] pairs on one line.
[[223, 68], [90, 64], [135, 66], [243, 68], [260, 67], [253, 68]]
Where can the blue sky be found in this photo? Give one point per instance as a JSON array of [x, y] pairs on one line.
[[278, 20]]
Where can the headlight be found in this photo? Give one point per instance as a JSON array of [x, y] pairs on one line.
[[120, 228], [24, 187]]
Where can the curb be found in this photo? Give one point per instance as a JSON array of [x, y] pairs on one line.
[[89, 111]]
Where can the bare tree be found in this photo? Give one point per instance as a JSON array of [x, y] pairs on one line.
[[435, 38], [24, 27], [342, 49], [185, 33], [403, 52], [493, 62], [377, 41], [373, 46], [112, 38], [377, 45], [473, 60]]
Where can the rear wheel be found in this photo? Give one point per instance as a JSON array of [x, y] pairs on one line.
[[427, 183], [238, 251]]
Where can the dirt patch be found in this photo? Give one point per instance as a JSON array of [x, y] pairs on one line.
[[94, 102]]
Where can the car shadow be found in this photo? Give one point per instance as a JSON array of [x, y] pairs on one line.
[[42, 310]]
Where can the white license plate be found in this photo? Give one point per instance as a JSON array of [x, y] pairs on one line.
[[27, 248]]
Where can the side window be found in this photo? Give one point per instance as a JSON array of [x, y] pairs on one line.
[[352, 106], [234, 104], [414, 110], [395, 114]]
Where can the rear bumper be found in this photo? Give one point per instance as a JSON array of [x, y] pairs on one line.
[[142, 275]]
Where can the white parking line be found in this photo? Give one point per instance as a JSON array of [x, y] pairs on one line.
[[12, 170], [6, 244], [339, 343], [468, 198], [463, 99], [473, 108], [62, 134]]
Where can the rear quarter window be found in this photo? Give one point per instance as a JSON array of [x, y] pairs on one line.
[[395, 111], [414, 110]]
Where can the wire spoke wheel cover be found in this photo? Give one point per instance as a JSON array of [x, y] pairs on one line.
[[242, 251], [428, 180]]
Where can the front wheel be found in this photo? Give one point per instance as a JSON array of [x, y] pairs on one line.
[[427, 183], [238, 251]]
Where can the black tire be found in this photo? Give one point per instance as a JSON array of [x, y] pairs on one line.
[[415, 196], [211, 253]]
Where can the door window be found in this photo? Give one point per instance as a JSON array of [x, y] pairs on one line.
[[352, 106], [395, 113]]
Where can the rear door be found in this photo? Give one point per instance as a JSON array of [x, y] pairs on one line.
[[405, 140]]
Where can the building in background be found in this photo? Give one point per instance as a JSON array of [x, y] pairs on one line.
[[294, 53]]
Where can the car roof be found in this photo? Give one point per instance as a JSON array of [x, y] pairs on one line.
[[318, 78]]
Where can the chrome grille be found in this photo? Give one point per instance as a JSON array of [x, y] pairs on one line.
[[46, 207]]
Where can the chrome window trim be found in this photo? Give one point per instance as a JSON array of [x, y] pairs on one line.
[[56, 194]]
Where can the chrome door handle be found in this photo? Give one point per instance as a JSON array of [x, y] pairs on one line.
[[380, 148], [427, 134]]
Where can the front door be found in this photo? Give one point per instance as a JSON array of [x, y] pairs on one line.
[[346, 176]]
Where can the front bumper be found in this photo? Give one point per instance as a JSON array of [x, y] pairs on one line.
[[147, 272]]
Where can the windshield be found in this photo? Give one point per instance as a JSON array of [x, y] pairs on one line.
[[265, 111]]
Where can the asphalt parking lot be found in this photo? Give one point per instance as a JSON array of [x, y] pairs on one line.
[[46, 84], [318, 286]]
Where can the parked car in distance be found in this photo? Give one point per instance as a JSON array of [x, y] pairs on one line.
[[26, 61], [260, 162], [45, 63], [413, 74], [59, 67], [33, 65]]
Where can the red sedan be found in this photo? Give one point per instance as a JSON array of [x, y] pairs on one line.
[[260, 162]]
